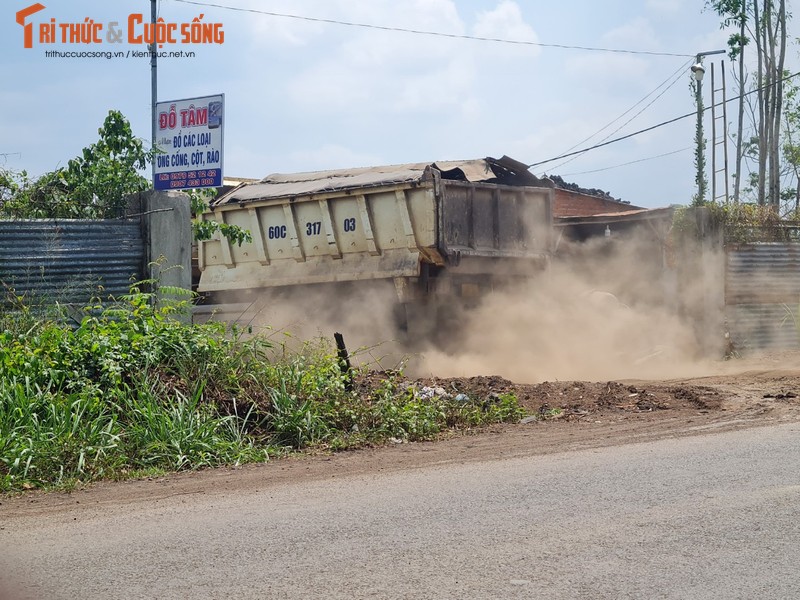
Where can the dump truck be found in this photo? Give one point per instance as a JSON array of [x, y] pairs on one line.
[[441, 234]]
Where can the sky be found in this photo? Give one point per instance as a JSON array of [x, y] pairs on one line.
[[304, 95]]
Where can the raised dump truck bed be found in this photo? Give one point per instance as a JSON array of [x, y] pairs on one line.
[[435, 229]]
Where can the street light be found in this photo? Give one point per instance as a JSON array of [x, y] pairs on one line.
[[698, 70]]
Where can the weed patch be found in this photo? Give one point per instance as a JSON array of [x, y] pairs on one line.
[[131, 391]]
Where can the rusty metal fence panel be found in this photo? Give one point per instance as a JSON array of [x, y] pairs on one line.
[[69, 261], [762, 294]]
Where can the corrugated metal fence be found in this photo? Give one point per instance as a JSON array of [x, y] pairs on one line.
[[70, 261], [762, 294]]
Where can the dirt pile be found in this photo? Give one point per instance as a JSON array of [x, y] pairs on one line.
[[569, 399]]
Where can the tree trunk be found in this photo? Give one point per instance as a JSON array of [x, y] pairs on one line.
[[780, 27], [762, 155], [796, 195], [740, 125], [769, 68]]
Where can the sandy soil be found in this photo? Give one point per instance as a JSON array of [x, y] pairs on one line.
[[572, 415]]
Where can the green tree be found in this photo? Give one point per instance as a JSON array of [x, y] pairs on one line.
[[93, 185], [96, 184], [765, 23], [24, 197], [790, 148], [734, 13], [204, 229], [109, 170]]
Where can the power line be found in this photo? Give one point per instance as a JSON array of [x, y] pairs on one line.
[[657, 125], [676, 75], [615, 140], [633, 162], [430, 33], [644, 108]]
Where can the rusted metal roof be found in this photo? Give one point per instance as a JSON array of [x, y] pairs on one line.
[[505, 171]]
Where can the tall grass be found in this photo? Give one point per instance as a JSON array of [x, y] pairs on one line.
[[47, 437], [176, 431], [131, 388]]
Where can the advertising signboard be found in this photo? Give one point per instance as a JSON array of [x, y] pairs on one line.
[[189, 137]]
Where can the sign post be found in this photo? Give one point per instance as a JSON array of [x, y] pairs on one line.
[[189, 138]]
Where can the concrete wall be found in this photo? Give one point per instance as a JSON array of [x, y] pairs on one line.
[[166, 219], [700, 263]]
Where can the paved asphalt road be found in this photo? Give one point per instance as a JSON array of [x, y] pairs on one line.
[[714, 516]]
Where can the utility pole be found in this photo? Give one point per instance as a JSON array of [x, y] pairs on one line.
[[153, 86], [698, 70], [721, 140]]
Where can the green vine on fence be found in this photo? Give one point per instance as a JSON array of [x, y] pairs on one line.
[[204, 229], [741, 223]]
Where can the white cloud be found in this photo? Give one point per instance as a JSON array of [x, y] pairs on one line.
[[637, 34], [332, 156], [271, 30], [268, 30], [389, 71], [405, 73], [333, 87], [602, 72], [506, 22], [257, 161], [557, 138], [666, 6]]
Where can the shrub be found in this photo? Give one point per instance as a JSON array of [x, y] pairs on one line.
[[131, 389]]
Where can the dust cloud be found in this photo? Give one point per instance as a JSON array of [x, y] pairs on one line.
[[365, 312], [608, 308]]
